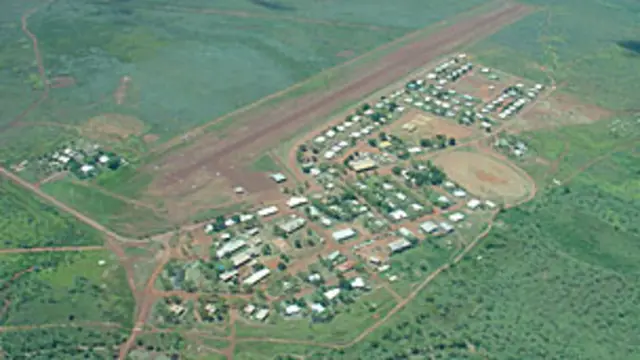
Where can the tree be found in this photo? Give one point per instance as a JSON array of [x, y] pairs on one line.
[[426, 143], [372, 142], [397, 170], [282, 266], [452, 141]]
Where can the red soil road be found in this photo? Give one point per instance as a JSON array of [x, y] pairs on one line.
[[266, 128]]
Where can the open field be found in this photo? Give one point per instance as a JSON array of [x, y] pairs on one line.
[[485, 175]]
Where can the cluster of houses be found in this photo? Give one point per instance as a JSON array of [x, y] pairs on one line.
[[438, 100], [451, 70], [511, 145], [84, 161], [512, 100], [386, 195]]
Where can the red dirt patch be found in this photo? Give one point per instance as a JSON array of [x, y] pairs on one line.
[[484, 175], [112, 127], [428, 126]]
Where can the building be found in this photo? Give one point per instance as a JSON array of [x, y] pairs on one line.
[[278, 178], [399, 245], [459, 193], [317, 308], [344, 234], [362, 165], [177, 309], [332, 294], [210, 309], [292, 310], [262, 314], [249, 309], [230, 247], [446, 227], [406, 232], [473, 204], [490, 204], [268, 211], [334, 255], [256, 277], [242, 258], [358, 283], [398, 215], [228, 275], [456, 217], [296, 201], [292, 225], [429, 227]]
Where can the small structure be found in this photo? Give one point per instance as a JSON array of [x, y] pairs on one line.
[[459, 193], [399, 246], [257, 276], [211, 309], [249, 309], [86, 169], [398, 215], [362, 165], [358, 283], [230, 247], [278, 178], [473, 204], [268, 211], [292, 225], [103, 159], [242, 258], [332, 294], [446, 227], [456, 217], [317, 308], [228, 275], [296, 201], [490, 204], [334, 255], [262, 314], [344, 234], [239, 190], [292, 310], [429, 227], [177, 309]]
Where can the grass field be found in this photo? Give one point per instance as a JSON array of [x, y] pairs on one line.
[[597, 67], [54, 288], [28, 222]]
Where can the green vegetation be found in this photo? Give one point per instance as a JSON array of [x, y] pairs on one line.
[[28, 222], [596, 67], [265, 163], [62, 343], [122, 217], [64, 288]]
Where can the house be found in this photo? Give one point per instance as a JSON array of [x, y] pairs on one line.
[[103, 159], [292, 310], [406, 232], [317, 308], [292, 225], [296, 201], [249, 309], [449, 185], [315, 277], [417, 207], [333, 256], [86, 169], [459, 193], [473, 204], [239, 190], [384, 144], [446, 227], [320, 140], [326, 221], [177, 309], [456, 217], [358, 283], [401, 196], [210, 309], [329, 155], [399, 245], [344, 234], [490, 204], [362, 165], [332, 294], [268, 211], [278, 178], [375, 260], [398, 215], [242, 258], [387, 186], [444, 200], [262, 314], [256, 277], [429, 227], [228, 275], [230, 247], [330, 134]]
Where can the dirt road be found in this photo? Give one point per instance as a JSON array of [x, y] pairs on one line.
[[269, 127]]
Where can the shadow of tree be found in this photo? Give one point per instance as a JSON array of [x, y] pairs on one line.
[[630, 45]]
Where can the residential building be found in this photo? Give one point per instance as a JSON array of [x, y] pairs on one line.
[[257, 276], [344, 234]]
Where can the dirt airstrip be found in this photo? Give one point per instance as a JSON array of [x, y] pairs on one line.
[[267, 127]]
